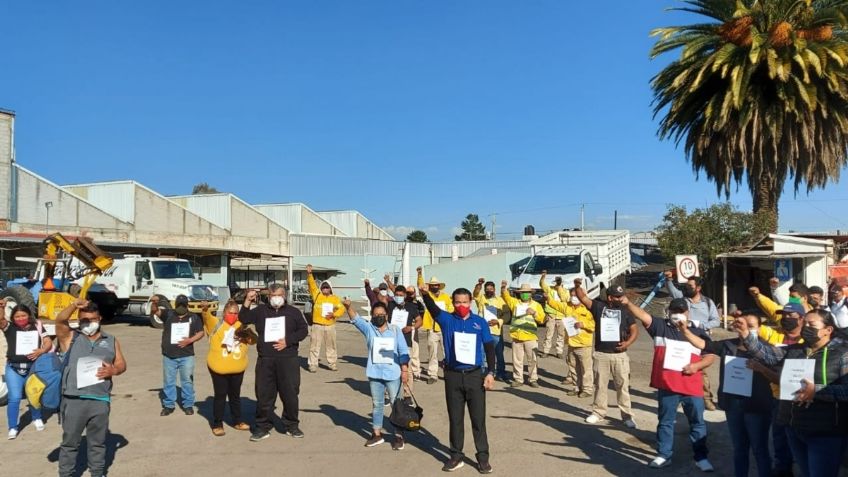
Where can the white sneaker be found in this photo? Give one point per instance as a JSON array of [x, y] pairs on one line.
[[13, 433], [593, 419], [704, 466], [39, 424], [659, 463], [630, 423]]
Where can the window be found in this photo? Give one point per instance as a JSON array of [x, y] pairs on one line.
[[142, 270], [588, 264], [172, 269], [555, 265]]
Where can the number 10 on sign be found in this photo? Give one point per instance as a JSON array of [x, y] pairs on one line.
[[687, 267]]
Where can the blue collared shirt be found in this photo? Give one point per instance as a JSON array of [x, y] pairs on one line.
[[387, 371], [474, 324]]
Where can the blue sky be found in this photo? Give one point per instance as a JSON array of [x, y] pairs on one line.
[[413, 112]]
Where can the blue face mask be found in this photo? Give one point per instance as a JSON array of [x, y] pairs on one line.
[[399, 299]]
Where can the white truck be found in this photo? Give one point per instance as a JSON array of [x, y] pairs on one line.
[[601, 258], [133, 280]]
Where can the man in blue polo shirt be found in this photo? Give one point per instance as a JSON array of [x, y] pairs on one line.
[[464, 336]]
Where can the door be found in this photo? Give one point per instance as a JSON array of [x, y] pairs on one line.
[[143, 285]]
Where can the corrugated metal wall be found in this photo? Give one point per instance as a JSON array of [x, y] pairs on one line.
[[214, 208], [343, 220], [116, 198], [287, 215], [315, 246]]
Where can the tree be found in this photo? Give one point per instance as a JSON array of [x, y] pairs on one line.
[[758, 94], [472, 229], [418, 236], [204, 188], [708, 232]]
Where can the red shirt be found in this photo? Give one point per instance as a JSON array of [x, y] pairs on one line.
[[675, 381]]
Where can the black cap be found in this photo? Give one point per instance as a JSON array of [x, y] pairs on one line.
[[678, 305], [815, 289], [181, 300], [616, 290], [383, 286]]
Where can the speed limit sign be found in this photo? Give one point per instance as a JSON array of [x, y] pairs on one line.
[[687, 267]]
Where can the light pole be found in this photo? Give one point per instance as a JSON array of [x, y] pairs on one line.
[[47, 206]]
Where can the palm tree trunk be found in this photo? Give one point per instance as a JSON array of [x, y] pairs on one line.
[[766, 194]]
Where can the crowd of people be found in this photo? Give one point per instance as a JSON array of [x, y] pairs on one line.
[[783, 380]]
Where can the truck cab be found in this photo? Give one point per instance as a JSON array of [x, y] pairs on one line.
[[564, 263]]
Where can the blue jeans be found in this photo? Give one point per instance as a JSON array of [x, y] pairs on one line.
[[748, 432], [378, 395], [185, 366], [499, 356], [780, 443], [15, 384], [817, 456], [693, 408]]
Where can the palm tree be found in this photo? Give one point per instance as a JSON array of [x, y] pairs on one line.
[[759, 93]]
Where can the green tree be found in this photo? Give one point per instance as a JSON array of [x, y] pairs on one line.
[[418, 236], [708, 232], [758, 94], [472, 229], [204, 188]]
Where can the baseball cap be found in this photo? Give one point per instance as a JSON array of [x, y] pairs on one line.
[[181, 300], [792, 308], [616, 290], [678, 305], [815, 289]]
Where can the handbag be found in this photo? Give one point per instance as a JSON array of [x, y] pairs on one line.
[[406, 413]]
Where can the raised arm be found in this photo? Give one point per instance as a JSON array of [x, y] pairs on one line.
[[543, 283], [639, 313], [246, 315], [692, 338], [478, 289], [511, 302], [64, 334], [429, 303], [369, 293], [670, 286], [310, 283], [769, 355], [420, 280], [387, 279], [581, 294], [768, 306], [780, 296]]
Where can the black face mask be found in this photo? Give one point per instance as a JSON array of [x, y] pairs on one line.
[[490, 294], [689, 291], [789, 324], [813, 302], [378, 320], [435, 290], [810, 335], [410, 299], [181, 310]]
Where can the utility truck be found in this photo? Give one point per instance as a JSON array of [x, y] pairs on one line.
[[132, 281], [601, 258]]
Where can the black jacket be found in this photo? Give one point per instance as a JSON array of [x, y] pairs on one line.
[[297, 328]]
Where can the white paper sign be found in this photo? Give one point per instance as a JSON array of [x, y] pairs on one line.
[[326, 308], [442, 305], [794, 370], [26, 342], [489, 315], [400, 318], [569, 322], [87, 367], [677, 355], [383, 350], [229, 338], [611, 326], [465, 346], [738, 379], [521, 309], [179, 332], [50, 329], [275, 329]]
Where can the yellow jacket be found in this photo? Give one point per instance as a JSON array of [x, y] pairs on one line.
[[552, 294], [585, 334], [523, 327], [495, 302], [318, 301], [428, 323], [220, 359]]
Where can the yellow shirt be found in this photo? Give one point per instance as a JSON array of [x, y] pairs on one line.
[[523, 327], [499, 305], [585, 334], [318, 301], [428, 323], [220, 359]]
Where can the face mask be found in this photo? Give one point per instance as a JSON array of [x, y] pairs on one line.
[[277, 301], [575, 301], [378, 320], [462, 310], [384, 293], [677, 318], [794, 299], [400, 299], [836, 300], [689, 291], [88, 328], [231, 318], [814, 302], [789, 324], [410, 299], [810, 335], [181, 310], [525, 296], [434, 290], [22, 323], [490, 293]]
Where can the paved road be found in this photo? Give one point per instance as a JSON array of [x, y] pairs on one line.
[[531, 431]]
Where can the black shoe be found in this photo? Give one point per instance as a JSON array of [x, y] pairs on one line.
[[259, 435], [166, 411], [398, 444], [189, 411], [453, 464], [375, 440], [484, 467], [295, 432]]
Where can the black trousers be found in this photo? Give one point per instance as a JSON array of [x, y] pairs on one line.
[[224, 386], [279, 375], [461, 390]]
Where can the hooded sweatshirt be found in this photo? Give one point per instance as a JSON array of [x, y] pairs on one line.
[[321, 303]]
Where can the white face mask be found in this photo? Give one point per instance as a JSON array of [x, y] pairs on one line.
[[575, 301], [89, 328], [277, 301], [677, 317]]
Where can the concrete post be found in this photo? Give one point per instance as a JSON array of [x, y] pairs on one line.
[[7, 157]]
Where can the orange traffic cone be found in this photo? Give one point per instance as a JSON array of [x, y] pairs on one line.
[[48, 285]]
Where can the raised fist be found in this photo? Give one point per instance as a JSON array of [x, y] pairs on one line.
[[503, 283], [754, 291], [309, 269], [578, 282]]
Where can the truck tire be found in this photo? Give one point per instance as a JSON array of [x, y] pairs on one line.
[[164, 305], [19, 295]]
